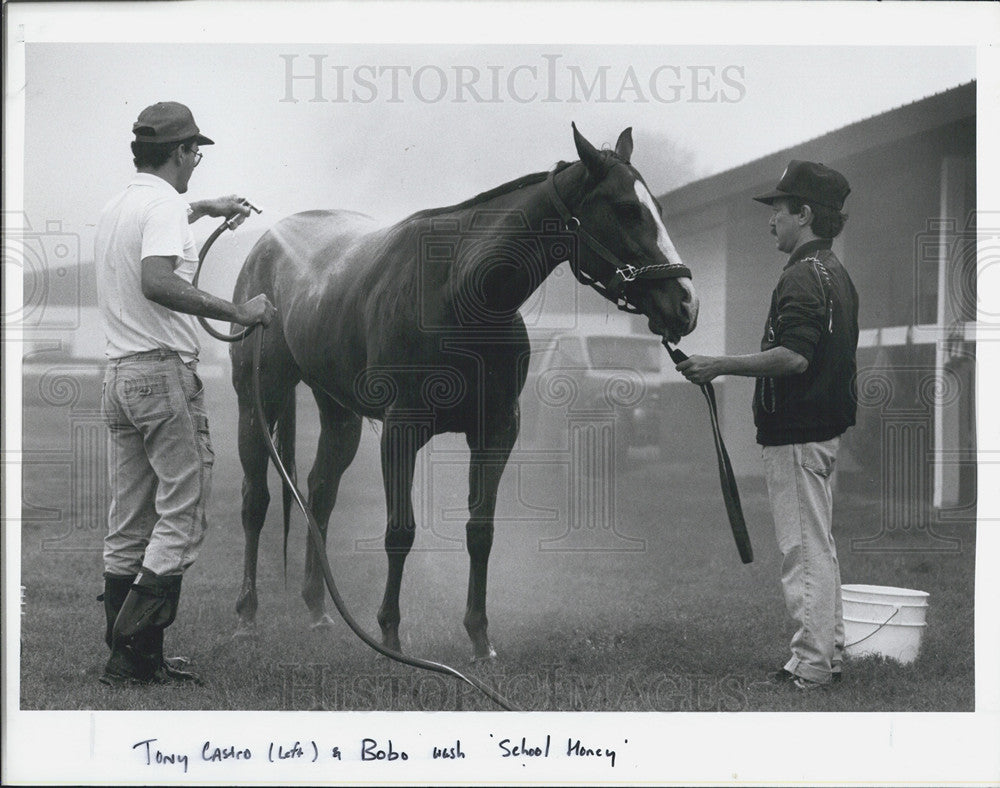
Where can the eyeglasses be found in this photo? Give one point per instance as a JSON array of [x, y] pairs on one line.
[[197, 157]]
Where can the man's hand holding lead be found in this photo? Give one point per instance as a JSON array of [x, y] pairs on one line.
[[700, 369]]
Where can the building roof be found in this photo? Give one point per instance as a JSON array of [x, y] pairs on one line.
[[918, 116]]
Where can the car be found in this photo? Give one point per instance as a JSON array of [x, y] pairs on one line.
[[596, 390], [53, 377], [66, 370]]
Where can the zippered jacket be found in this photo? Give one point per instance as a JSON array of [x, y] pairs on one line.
[[814, 312]]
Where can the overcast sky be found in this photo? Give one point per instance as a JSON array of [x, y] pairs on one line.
[[400, 128]]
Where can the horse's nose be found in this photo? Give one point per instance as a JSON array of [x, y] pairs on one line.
[[689, 305]]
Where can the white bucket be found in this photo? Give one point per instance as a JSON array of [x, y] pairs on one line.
[[884, 621]]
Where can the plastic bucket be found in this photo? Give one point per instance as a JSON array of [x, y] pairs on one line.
[[884, 621]]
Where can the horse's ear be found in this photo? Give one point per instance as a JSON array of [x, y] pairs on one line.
[[589, 155], [623, 148]]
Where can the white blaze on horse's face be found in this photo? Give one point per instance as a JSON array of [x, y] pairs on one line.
[[667, 249]]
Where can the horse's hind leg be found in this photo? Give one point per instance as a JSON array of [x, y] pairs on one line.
[[340, 433], [401, 440], [253, 457], [277, 387], [486, 466]]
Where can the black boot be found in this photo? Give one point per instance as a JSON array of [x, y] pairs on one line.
[[151, 642], [116, 588], [122, 666], [171, 668], [137, 634]]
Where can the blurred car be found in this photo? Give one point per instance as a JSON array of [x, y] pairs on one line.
[[608, 382], [67, 369], [53, 376]]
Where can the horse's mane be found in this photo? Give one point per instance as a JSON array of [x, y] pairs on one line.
[[479, 199]]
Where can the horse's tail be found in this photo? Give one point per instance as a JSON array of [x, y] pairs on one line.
[[284, 433]]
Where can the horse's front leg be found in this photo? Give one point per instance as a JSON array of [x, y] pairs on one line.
[[402, 438], [486, 466]]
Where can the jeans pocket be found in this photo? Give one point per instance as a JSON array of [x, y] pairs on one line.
[[819, 458], [146, 397]]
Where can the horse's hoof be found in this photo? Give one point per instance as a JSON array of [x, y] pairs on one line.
[[390, 640], [245, 632], [487, 656], [323, 622]]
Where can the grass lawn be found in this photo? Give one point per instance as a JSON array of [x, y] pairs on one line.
[[644, 608]]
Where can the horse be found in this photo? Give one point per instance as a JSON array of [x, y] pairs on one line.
[[417, 325]]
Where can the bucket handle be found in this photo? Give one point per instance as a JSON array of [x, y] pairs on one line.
[[877, 630]]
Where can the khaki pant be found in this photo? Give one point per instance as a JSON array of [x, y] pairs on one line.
[[159, 463], [798, 486]]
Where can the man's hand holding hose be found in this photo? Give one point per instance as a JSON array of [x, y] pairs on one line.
[[232, 207], [257, 310]]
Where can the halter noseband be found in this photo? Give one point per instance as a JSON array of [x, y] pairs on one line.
[[613, 289]]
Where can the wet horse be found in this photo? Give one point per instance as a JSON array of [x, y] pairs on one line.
[[417, 325]]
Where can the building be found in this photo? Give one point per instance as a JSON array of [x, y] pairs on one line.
[[910, 246]]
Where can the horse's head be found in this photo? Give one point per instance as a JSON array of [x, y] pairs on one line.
[[629, 251]]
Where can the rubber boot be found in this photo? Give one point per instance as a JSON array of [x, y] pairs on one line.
[[122, 666], [150, 641], [137, 634], [171, 668], [174, 668], [116, 588]]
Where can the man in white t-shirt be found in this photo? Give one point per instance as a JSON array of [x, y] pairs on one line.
[[160, 455]]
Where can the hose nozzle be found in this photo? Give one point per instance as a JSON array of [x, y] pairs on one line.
[[232, 222]]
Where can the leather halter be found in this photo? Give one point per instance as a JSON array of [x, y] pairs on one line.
[[613, 288]]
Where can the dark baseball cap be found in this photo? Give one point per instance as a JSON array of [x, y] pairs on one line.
[[812, 182], [167, 121]]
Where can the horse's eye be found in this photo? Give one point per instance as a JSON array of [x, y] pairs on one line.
[[628, 212]]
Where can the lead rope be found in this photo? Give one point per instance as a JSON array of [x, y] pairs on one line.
[[730, 492], [314, 533]]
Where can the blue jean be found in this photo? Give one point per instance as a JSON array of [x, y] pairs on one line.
[[798, 486], [159, 463]]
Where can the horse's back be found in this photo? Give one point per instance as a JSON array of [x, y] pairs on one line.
[[299, 247]]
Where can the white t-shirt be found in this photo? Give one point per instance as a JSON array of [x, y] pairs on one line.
[[148, 219]]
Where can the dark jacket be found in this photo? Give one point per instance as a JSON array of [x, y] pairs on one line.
[[814, 312]]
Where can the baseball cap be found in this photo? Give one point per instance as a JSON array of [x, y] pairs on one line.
[[812, 182], [167, 121]]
